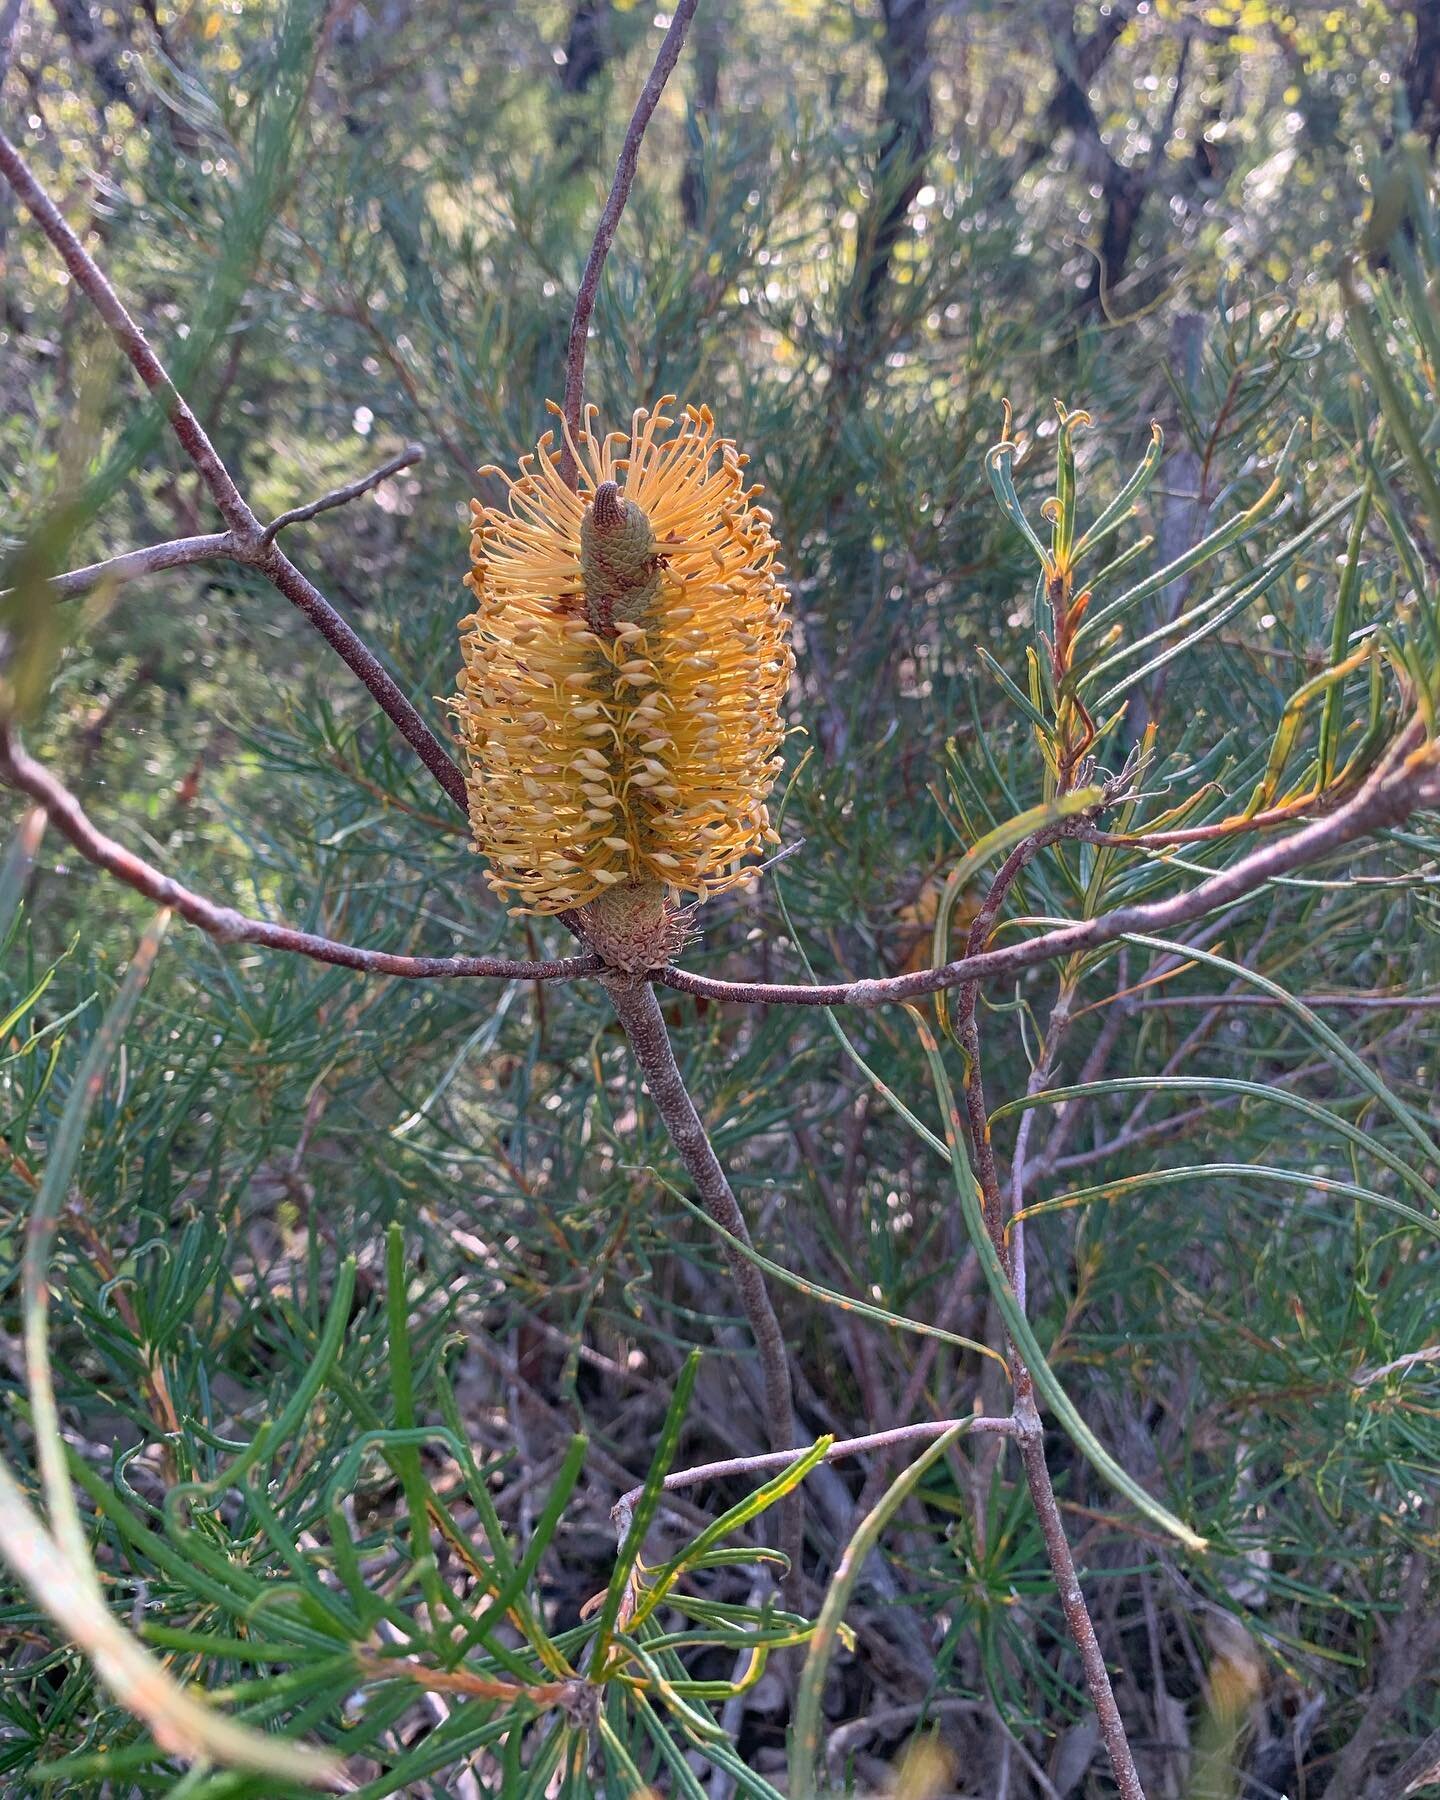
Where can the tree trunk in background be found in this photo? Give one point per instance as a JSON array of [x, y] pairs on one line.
[[586, 46], [1076, 66], [1125, 191], [1126, 187], [1422, 72], [589, 44], [909, 134], [707, 42], [96, 49]]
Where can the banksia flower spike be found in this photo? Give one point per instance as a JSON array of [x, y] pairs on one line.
[[624, 674]]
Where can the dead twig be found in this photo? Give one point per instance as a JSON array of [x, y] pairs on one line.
[[922, 1433]]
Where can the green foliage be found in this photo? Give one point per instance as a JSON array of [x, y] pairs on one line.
[[368, 1300]]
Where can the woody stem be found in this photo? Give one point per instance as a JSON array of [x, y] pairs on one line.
[[640, 1016]]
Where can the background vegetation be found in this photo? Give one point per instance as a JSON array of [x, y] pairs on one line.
[[356, 1208]]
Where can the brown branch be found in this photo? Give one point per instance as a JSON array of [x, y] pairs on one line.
[[266, 557], [463, 1681], [226, 925], [1011, 1248], [1072, 1600], [1032, 1442], [115, 571], [967, 1030], [217, 546], [1204, 834], [302, 593], [640, 1016], [585, 297], [1407, 780], [412, 453], [781, 1459]]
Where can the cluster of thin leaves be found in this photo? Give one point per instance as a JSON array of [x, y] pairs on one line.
[[345, 1275]]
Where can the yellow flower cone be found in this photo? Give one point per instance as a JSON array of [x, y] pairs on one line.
[[625, 669]]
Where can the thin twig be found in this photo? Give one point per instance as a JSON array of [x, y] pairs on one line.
[[267, 556], [1412, 1359], [589, 288], [1055, 1033], [1072, 1603], [967, 1030], [217, 546], [781, 1459], [1011, 1248], [177, 553], [226, 925], [412, 453]]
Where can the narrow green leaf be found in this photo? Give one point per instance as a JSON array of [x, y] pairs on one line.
[[402, 1388], [1125, 1185], [1340, 632], [1019, 1326], [645, 1507], [622, 1761], [802, 1284], [1215, 1084], [805, 1733], [1317, 1029], [837, 1030], [1233, 531], [997, 466], [1122, 507], [764, 1497], [293, 1414], [55, 1185], [18, 1012]]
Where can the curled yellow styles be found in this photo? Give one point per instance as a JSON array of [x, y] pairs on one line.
[[625, 670]]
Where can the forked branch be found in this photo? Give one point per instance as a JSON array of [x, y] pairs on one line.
[[218, 546], [263, 554]]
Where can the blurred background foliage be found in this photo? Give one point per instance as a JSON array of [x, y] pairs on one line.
[[857, 228]]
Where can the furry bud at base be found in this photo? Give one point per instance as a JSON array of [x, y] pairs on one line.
[[635, 927]]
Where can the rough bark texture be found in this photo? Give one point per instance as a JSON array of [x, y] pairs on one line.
[[639, 1013]]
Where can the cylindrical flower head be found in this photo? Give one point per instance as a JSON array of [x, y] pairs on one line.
[[625, 669]]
